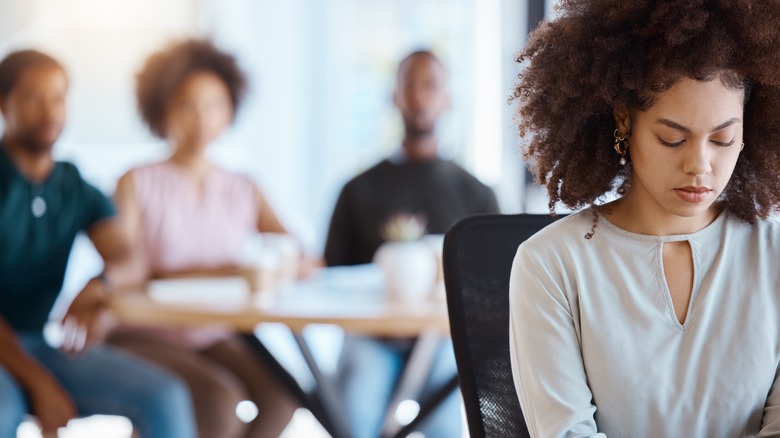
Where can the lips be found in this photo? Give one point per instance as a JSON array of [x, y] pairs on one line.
[[693, 194], [50, 130]]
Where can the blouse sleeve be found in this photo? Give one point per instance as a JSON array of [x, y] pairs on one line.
[[545, 352]]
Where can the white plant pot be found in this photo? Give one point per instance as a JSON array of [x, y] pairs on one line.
[[409, 269]]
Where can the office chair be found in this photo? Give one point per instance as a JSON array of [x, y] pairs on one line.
[[478, 255]]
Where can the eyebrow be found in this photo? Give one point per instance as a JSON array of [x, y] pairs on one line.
[[679, 127]]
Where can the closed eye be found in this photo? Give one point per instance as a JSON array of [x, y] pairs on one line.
[[724, 145], [670, 144]]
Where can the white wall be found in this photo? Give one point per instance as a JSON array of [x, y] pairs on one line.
[[321, 74]]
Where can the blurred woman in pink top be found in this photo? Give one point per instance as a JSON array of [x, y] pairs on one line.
[[189, 217]]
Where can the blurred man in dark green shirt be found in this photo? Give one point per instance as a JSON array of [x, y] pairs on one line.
[[43, 205]]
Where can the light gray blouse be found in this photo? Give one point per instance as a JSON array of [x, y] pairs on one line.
[[597, 349]]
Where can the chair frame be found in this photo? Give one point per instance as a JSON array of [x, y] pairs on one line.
[[462, 245]]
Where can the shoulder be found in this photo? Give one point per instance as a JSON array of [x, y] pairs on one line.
[[142, 178], [454, 171], [370, 176], [159, 168], [565, 236], [125, 189], [69, 171], [376, 170], [550, 260], [231, 180], [68, 175], [147, 177], [79, 194], [771, 224], [763, 232], [144, 182]]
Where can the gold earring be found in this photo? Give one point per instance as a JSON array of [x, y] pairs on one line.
[[621, 146]]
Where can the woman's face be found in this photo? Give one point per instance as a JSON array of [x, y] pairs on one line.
[[683, 150], [199, 111]]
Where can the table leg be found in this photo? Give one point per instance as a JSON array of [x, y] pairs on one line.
[[429, 406], [306, 400], [326, 405], [413, 377], [328, 397]]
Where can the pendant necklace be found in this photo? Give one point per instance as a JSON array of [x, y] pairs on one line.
[[38, 205]]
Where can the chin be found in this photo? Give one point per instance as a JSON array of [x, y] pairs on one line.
[[691, 211], [419, 128], [39, 146]]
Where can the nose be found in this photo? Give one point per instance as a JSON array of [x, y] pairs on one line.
[[52, 108], [414, 100], [697, 159]]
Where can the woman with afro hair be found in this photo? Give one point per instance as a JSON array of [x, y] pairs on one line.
[[656, 314], [189, 217]]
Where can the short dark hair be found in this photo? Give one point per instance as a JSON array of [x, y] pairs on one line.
[[12, 66], [164, 72], [596, 55], [424, 53]]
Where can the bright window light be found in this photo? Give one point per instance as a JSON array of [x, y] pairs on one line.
[[406, 411], [246, 411]]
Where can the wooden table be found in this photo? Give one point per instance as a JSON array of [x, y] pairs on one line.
[[349, 297]]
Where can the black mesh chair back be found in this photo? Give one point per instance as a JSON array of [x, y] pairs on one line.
[[478, 255]]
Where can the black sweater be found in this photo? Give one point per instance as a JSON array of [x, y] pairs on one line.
[[440, 191]]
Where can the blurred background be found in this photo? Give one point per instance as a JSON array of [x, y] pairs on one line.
[[319, 109], [321, 76]]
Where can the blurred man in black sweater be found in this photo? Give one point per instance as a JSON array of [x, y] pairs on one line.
[[414, 181]]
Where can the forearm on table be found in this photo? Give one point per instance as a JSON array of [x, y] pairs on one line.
[[217, 271], [128, 273], [124, 326]]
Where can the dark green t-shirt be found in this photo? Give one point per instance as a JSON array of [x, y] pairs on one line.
[[38, 224]]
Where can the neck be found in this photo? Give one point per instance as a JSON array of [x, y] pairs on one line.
[[421, 146], [33, 166], [196, 164], [634, 215]]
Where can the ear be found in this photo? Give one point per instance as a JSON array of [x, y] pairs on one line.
[[396, 98], [622, 120]]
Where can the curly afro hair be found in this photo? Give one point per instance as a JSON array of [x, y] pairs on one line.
[[596, 55], [165, 71]]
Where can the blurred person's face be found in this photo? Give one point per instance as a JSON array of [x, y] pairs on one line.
[[683, 150], [199, 112], [35, 109], [421, 94]]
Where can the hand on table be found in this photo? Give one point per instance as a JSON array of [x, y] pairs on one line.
[[88, 320], [309, 265]]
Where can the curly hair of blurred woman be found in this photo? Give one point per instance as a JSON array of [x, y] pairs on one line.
[[165, 71]]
